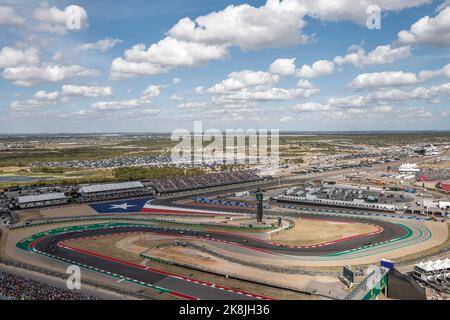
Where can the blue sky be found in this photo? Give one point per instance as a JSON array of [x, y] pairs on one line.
[[158, 65]]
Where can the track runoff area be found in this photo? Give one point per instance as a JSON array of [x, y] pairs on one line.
[[389, 234]]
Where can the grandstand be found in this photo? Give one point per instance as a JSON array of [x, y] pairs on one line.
[[98, 192], [356, 203], [226, 203], [202, 181], [41, 200], [434, 273]]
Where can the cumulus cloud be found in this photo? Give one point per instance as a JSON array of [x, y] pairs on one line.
[[284, 67], [143, 101], [176, 97], [160, 57], [121, 105], [383, 79], [269, 94], [425, 93], [151, 91], [9, 17], [388, 79], [243, 79], [86, 91], [382, 109], [199, 90], [311, 107], [429, 30], [380, 55], [46, 73], [193, 106], [248, 85], [100, 45], [55, 20], [46, 96], [317, 69], [274, 24], [11, 57], [354, 10], [348, 102]]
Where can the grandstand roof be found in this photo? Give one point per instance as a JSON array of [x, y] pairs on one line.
[[41, 197], [111, 187], [434, 265]]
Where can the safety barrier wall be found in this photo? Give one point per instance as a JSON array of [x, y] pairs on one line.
[[239, 276], [84, 219]]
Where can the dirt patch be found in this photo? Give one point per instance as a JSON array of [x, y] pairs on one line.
[[316, 231], [109, 247]]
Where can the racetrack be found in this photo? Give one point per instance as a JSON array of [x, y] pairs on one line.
[[53, 245]]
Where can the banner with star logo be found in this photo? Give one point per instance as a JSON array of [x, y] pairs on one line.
[[120, 206]]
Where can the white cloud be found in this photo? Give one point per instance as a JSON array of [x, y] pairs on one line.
[[248, 85], [384, 79], [100, 45], [199, 90], [319, 68], [430, 93], [284, 67], [380, 55], [176, 80], [268, 94], [176, 97], [121, 105], [86, 91], [46, 96], [429, 30], [49, 73], [54, 20], [418, 112], [11, 57], [286, 119], [275, 24], [9, 17], [160, 57], [429, 74], [305, 84], [311, 107], [396, 78], [354, 10], [348, 102], [243, 79], [122, 69], [193, 105], [382, 109], [151, 91], [143, 101]]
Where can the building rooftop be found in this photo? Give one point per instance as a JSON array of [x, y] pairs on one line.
[[111, 187], [41, 197]]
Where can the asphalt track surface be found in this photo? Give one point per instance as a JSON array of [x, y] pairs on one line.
[[54, 245]]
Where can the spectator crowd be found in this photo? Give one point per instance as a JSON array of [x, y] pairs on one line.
[[202, 181], [13, 287]]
